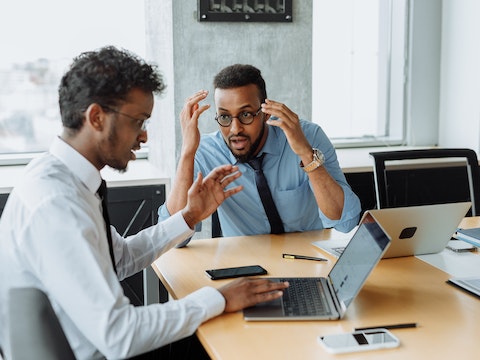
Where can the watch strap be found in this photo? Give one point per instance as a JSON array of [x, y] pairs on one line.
[[318, 160]]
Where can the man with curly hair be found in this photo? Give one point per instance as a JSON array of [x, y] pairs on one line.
[[54, 237]]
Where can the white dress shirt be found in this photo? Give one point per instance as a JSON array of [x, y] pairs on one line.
[[53, 238]]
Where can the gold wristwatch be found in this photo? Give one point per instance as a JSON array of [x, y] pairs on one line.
[[318, 160]]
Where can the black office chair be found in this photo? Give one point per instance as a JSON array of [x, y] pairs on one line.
[[216, 228], [35, 332], [427, 183]]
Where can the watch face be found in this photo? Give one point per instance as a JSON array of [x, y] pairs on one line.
[[318, 156], [318, 160]]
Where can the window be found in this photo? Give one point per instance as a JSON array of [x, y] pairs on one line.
[[39, 40], [359, 56]]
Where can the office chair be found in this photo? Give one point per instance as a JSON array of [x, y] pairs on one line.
[[35, 332], [427, 183], [216, 228]]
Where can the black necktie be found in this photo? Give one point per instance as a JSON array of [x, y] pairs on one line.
[[102, 192], [276, 225]]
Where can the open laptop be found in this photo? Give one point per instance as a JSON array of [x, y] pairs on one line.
[[470, 284], [414, 230], [327, 298]]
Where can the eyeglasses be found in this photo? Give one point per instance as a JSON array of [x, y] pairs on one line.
[[246, 118], [141, 124]]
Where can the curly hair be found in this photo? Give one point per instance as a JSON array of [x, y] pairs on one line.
[[240, 75], [105, 76]]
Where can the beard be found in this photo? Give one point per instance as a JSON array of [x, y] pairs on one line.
[[253, 149], [109, 158]]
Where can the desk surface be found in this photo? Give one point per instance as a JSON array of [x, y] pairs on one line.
[[398, 290]]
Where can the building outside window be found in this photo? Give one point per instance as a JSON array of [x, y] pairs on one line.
[[39, 40]]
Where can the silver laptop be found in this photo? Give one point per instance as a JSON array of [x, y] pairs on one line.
[[470, 284], [414, 230], [327, 298]]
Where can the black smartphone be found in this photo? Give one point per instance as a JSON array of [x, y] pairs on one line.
[[233, 272]]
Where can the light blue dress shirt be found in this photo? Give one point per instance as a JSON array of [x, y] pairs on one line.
[[243, 213]]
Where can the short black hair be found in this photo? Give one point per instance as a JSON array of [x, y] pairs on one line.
[[105, 76], [240, 75]]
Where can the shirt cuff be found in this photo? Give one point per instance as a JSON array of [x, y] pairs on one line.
[[177, 228], [209, 298]]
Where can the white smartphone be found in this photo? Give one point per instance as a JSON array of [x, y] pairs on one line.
[[460, 246], [359, 341]]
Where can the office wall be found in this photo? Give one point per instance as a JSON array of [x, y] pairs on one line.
[[190, 53], [460, 75]]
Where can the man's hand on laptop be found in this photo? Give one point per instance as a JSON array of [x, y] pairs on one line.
[[245, 292]]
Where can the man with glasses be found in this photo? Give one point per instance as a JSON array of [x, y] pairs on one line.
[[298, 160], [54, 237]]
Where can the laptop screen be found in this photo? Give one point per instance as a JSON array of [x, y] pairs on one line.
[[358, 259]]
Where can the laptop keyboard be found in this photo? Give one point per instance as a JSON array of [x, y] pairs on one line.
[[339, 250], [304, 297]]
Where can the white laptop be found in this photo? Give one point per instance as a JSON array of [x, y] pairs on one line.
[[327, 298], [414, 230]]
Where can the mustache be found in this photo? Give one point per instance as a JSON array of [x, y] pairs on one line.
[[238, 136]]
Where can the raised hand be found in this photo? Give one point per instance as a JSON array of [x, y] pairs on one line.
[[206, 194], [189, 121], [288, 121]]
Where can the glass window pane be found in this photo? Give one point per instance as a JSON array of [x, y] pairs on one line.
[[352, 69], [39, 40]]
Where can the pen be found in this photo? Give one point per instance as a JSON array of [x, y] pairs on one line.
[[394, 326], [292, 256]]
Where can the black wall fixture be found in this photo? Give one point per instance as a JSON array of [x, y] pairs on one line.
[[245, 10]]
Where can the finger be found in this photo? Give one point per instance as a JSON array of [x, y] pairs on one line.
[[199, 110], [191, 103], [229, 178], [265, 285], [232, 191], [278, 109], [199, 95], [268, 296], [222, 171], [197, 183]]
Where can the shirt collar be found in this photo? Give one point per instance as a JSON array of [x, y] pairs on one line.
[[272, 142], [77, 164]]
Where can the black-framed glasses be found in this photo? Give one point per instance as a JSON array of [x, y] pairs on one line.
[[245, 117], [140, 123]]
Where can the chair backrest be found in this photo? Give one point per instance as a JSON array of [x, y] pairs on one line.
[[35, 332], [427, 183], [216, 228]]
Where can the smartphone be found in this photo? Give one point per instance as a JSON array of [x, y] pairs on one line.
[[460, 246], [233, 272], [359, 341]]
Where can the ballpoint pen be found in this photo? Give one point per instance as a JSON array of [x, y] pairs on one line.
[[390, 327], [303, 257]]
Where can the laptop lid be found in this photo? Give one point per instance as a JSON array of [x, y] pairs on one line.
[[414, 230], [418, 230], [357, 261]]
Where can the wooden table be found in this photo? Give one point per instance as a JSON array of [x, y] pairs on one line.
[[398, 290]]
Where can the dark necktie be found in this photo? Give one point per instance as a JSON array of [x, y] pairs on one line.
[[276, 225], [102, 192]]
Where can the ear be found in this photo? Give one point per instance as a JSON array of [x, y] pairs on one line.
[[95, 117]]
